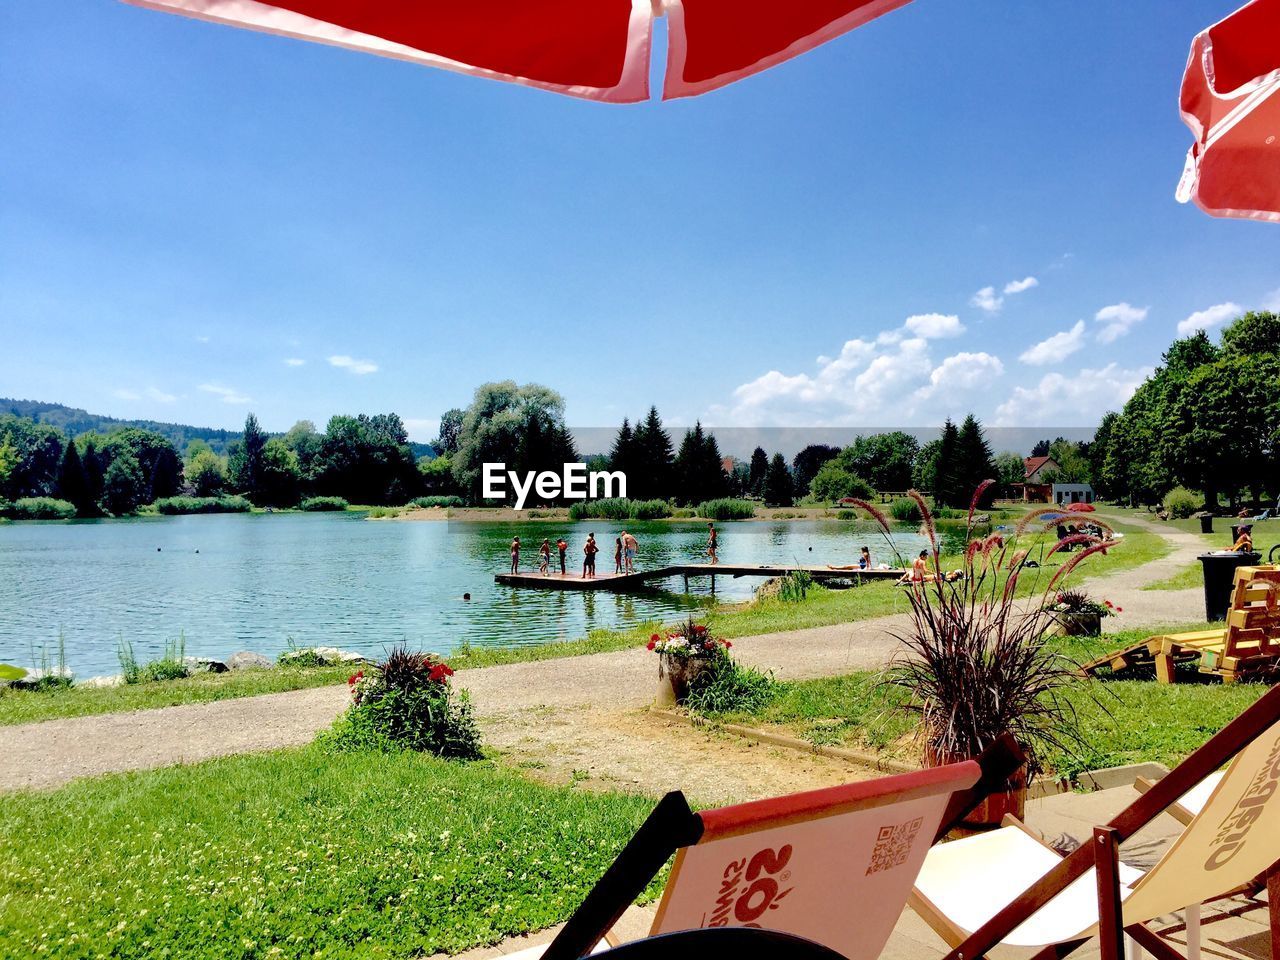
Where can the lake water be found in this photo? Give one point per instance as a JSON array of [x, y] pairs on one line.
[[261, 582]]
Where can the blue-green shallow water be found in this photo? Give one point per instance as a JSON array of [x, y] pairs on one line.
[[262, 582]]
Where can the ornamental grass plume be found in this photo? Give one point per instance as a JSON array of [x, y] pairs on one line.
[[975, 662]]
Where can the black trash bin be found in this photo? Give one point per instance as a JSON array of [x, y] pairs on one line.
[[1206, 523], [1219, 578]]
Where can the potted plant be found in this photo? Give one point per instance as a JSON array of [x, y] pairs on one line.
[[1076, 614], [976, 663], [684, 654]]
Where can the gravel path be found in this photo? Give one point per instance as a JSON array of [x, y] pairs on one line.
[[533, 710]]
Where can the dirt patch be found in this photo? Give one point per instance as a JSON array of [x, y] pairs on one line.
[[648, 753]]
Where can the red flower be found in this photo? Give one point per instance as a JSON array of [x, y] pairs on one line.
[[439, 672], [1107, 602], [1119, 609], [653, 642], [727, 644], [358, 675]]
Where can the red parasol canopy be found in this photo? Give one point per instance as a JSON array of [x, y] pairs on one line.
[[1231, 102], [597, 49], [1081, 508]]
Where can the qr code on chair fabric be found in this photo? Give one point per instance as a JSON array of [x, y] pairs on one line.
[[893, 845]]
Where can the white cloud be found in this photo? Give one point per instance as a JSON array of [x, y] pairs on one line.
[[226, 394], [294, 361], [1020, 286], [1055, 348], [357, 367], [202, 339], [1272, 301], [1078, 399], [890, 375], [1210, 318], [151, 393], [986, 299], [1119, 319], [960, 372], [934, 326]]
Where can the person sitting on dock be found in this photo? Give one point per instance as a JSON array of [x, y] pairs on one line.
[[544, 558], [711, 543], [589, 552], [515, 554], [630, 545], [864, 559], [617, 555], [563, 546], [919, 569]]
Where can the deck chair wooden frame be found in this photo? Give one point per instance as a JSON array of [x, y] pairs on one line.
[[674, 829], [1101, 854], [1247, 644]]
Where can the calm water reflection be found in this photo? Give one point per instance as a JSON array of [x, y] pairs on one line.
[[260, 582]]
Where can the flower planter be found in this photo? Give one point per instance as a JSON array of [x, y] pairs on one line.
[[988, 814], [676, 676], [1078, 624]]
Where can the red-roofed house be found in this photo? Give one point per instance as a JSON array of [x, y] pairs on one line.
[[1037, 485]]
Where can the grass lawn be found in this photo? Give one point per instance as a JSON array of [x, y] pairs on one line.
[[1122, 721], [821, 608], [299, 853], [21, 706]]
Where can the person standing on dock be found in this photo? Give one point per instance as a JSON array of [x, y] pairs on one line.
[[589, 552], [617, 555], [630, 545], [544, 558], [712, 543], [563, 546], [515, 554]]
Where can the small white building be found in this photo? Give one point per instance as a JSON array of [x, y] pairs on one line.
[[1067, 493]]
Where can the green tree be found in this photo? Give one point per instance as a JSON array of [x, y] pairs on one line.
[[521, 426], [884, 460], [280, 478], [244, 466], [654, 461], [778, 490], [806, 464], [947, 470], [73, 483], [699, 468], [833, 482], [437, 476], [304, 440], [123, 485], [450, 432], [622, 454], [367, 459], [1073, 465], [1253, 334], [1010, 469], [973, 457], [8, 460], [757, 471], [37, 456], [206, 473]]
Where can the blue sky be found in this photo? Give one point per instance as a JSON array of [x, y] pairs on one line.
[[197, 221]]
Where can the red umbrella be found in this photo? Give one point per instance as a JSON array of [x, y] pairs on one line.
[[1081, 508], [1231, 102], [597, 49]]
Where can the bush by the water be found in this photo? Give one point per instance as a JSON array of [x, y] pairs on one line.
[[794, 586], [619, 508], [905, 511], [727, 509], [833, 482], [731, 688], [317, 504], [170, 665], [438, 501], [173, 506], [407, 702], [41, 508], [1181, 503]]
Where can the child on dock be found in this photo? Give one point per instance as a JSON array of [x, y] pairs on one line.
[[563, 546], [544, 558], [589, 551], [515, 554], [617, 555]]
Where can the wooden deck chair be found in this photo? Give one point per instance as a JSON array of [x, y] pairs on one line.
[[1247, 644], [1006, 888], [831, 866]]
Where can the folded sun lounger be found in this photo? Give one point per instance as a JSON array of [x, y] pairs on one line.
[[1007, 888], [831, 867]]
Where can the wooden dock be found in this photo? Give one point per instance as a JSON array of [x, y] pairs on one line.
[[620, 582]]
